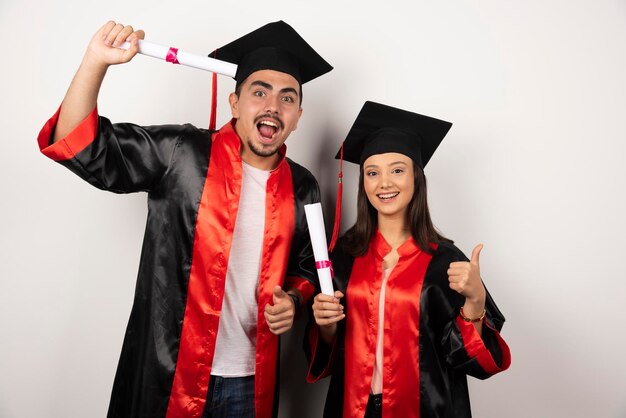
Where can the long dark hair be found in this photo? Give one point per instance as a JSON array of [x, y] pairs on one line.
[[356, 240]]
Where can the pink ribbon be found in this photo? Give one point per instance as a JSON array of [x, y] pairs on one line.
[[325, 264], [172, 56]]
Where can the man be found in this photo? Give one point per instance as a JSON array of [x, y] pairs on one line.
[[225, 232]]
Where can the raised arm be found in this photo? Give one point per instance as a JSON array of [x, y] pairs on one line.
[[471, 337], [82, 95]]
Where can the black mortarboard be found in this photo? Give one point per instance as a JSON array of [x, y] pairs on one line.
[[379, 129], [275, 46]]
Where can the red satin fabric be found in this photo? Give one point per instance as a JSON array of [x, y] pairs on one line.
[[214, 231], [476, 348], [279, 215], [401, 378], [74, 142]]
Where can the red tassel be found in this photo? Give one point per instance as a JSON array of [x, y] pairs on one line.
[[337, 224], [213, 103], [213, 98]]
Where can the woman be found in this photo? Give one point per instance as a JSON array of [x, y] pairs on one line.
[[416, 318]]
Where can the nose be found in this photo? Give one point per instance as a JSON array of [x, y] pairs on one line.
[[271, 104], [385, 180]]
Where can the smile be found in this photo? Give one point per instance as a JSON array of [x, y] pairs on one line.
[[387, 196]]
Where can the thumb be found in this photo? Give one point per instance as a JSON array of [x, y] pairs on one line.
[[278, 294], [476, 254]]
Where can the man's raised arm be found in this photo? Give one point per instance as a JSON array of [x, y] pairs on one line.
[[82, 95]]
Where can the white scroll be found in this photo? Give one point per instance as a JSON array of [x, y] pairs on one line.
[[175, 56], [315, 220]]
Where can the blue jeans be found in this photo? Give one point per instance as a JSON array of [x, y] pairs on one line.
[[230, 397]]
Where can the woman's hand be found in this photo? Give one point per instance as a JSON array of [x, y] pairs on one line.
[[327, 312], [327, 309], [464, 278]]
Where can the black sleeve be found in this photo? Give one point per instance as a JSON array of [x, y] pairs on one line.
[[125, 157], [301, 260], [325, 360], [462, 347]]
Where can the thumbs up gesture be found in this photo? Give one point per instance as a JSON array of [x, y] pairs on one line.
[[279, 315], [464, 278]]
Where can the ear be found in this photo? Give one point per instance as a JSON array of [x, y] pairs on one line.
[[234, 105], [299, 116]]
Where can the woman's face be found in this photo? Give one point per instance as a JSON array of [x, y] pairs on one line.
[[389, 184]]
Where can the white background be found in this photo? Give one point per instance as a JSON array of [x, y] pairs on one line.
[[533, 167]]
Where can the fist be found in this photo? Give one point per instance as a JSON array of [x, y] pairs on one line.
[[104, 46], [464, 277], [279, 315], [327, 310]]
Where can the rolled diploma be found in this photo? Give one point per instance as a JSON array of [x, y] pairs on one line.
[[315, 220], [185, 58]]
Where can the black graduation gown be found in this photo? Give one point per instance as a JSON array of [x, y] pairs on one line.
[[425, 366], [193, 180]]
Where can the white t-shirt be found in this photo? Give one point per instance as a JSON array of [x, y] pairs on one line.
[[235, 348]]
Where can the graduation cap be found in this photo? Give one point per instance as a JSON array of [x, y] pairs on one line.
[[379, 129], [275, 46]]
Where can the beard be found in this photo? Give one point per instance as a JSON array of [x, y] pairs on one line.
[[266, 150], [263, 150]]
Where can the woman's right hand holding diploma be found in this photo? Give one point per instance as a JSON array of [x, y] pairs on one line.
[[327, 312]]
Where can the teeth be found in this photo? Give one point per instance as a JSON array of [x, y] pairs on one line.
[[268, 123], [388, 195]]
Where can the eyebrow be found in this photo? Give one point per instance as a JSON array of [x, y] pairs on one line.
[[289, 90], [262, 84], [268, 86], [390, 164]]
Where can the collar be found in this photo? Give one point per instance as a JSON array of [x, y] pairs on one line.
[[382, 248]]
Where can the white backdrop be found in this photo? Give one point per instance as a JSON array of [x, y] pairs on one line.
[[533, 167]]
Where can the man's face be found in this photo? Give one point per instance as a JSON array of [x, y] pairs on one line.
[[267, 111]]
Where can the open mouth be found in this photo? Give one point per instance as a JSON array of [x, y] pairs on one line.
[[267, 129], [386, 197]]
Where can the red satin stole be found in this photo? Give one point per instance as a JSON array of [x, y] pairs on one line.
[[401, 377]]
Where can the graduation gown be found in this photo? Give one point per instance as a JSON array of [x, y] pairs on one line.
[[193, 179], [428, 349]]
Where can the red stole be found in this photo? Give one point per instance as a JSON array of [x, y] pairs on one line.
[[401, 377], [213, 237]]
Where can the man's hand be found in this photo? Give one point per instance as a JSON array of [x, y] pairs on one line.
[[82, 95], [103, 49], [279, 315]]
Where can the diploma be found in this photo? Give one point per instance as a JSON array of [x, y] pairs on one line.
[[315, 220], [175, 56]]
